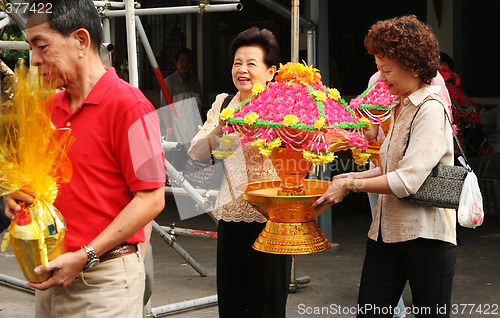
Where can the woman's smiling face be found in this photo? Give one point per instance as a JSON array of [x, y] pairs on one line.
[[249, 68], [399, 81]]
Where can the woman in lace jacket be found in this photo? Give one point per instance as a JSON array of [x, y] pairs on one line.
[[249, 283], [406, 242]]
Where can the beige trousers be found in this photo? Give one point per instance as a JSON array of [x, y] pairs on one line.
[[114, 288]]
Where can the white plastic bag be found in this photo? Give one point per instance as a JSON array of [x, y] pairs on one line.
[[470, 210]]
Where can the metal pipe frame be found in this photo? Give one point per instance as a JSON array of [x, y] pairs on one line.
[[14, 45], [5, 22], [113, 4], [189, 304], [179, 180], [5, 69], [285, 12], [178, 10], [311, 47], [131, 43], [170, 239], [154, 64], [16, 283], [295, 31], [190, 232]]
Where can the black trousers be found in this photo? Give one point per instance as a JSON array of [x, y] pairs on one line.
[[249, 283], [428, 265], [4, 221]]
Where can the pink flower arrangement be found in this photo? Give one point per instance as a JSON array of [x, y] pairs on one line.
[[297, 111], [375, 102]]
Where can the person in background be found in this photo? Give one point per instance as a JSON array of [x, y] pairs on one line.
[[406, 242], [183, 84], [249, 283], [181, 126], [118, 174]]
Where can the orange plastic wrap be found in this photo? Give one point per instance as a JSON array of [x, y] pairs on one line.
[[33, 154]]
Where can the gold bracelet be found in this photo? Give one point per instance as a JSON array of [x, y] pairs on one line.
[[353, 186]]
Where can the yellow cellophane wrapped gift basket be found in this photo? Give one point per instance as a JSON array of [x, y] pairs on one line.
[[33, 155]]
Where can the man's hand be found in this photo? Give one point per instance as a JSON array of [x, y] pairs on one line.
[[64, 268], [12, 201]]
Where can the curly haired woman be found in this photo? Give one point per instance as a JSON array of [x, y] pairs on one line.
[[406, 242]]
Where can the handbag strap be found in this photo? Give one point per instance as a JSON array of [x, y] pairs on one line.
[[449, 120], [226, 102]]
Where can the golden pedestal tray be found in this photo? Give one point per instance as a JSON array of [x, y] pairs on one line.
[[286, 203]]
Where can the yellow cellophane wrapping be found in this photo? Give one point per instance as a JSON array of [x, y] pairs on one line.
[[33, 155]]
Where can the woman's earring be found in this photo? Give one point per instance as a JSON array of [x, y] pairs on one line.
[[415, 74]]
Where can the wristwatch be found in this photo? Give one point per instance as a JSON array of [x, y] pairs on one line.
[[92, 259]]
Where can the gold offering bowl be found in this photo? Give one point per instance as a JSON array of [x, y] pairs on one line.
[[286, 203]]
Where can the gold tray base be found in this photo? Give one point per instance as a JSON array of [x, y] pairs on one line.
[[291, 238]]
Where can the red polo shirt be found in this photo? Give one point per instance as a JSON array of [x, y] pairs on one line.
[[117, 151]]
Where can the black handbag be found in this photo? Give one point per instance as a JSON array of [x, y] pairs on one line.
[[206, 174], [443, 187]]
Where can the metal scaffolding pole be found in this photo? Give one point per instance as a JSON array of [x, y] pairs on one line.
[[14, 45], [4, 22], [16, 283], [189, 304], [113, 4], [170, 239], [178, 10], [154, 64], [295, 31], [131, 43]]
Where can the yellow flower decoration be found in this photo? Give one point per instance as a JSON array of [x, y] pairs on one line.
[[329, 157], [226, 114], [257, 88], [228, 140], [308, 155], [219, 154], [251, 118], [319, 95], [333, 93], [290, 120], [265, 151], [360, 158], [258, 143], [274, 143], [365, 121], [318, 159], [319, 123]]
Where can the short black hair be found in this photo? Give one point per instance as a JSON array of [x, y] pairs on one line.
[[263, 38], [184, 51], [66, 16]]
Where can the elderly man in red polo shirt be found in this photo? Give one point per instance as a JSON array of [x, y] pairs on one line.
[[118, 173]]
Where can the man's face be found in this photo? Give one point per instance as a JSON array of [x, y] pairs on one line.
[[54, 53], [184, 64]]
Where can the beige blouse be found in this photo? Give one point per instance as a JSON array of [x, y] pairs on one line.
[[431, 143], [245, 166]]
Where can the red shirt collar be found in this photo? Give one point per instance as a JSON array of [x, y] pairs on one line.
[[96, 94]]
